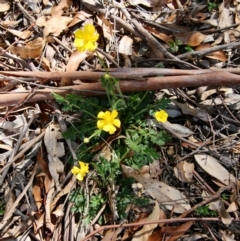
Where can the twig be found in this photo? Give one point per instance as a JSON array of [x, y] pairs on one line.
[[108, 57], [11, 210], [21, 153], [113, 17], [219, 29], [208, 200], [190, 55], [17, 146], [172, 220]]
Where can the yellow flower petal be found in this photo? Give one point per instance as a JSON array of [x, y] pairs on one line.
[[90, 46], [117, 123], [114, 114], [75, 170], [84, 167], [109, 128], [101, 115], [80, 176], [100, 124], [79, 34], [89, 29]]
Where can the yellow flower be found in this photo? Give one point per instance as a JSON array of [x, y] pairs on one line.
[[85, 39], [80, 172], [161, 116], [108, 121]]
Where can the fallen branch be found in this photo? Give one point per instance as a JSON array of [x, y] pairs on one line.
[[121, 73], [213, 78]]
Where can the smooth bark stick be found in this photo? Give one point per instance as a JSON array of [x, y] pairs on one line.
[[218, 78], [121, 73]]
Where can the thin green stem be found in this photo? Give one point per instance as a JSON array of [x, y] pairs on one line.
[[102, 62]]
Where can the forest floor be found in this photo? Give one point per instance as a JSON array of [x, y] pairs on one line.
[[119, 120]]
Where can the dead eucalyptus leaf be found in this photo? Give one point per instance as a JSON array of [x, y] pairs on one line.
[[172, 198], [219, 207], [184, 171], [149, 3], [56, 25], [125, 45], [21, 34], [191, 38], [164, 37], [178, 129], [146, 231], [55, 150], [218, 55], [75, 59], [57, 11], [106, 25], [173, 233], [214, 168], [232, 207], [4, 6], [33, 49]]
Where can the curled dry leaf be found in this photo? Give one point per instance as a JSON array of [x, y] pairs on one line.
[[55, 150], [172, 198], [214, 168], [78, 17], [173, 233], [106, 25], [33, 49], [184, 171], [4, 5], [125, 45], [193, 38], [177, 129], [56, 25], [196, 112], [75, 59], [21, 34], [164, 37], [218, 55], [219, 207], [146, 231]]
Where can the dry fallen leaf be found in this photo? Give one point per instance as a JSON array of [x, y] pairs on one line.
[[214, 168], [172, 198], [164, 37], [146, 231], [219, 207], [172, 233], [106, 25], [150, 3], [196, 112], [4, 5], [75, 59], [193, 38], [125, 45], [55, 149], [21, 34], [218, 55], [56, 25], [184, 171], [33, 49]]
